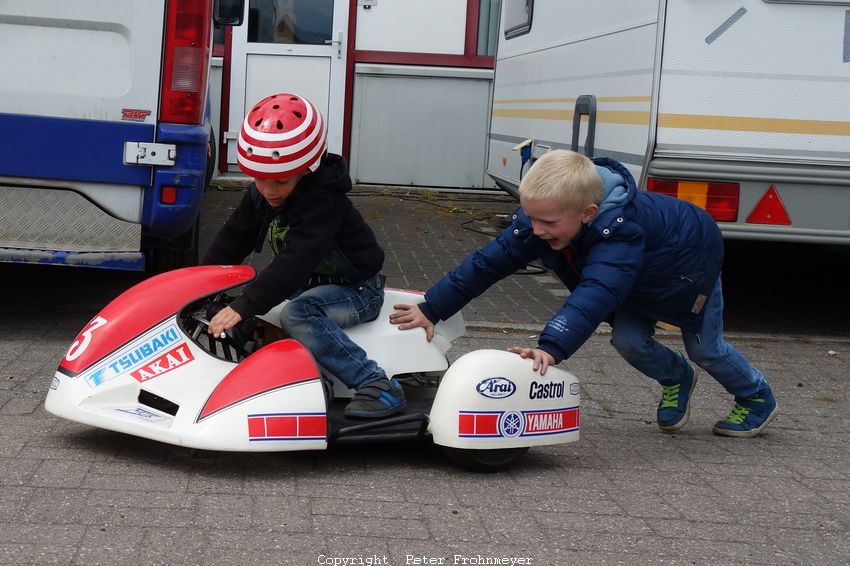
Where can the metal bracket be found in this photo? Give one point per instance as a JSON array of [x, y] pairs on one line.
[[147, 153]]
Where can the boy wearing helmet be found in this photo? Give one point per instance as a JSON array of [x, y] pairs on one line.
[[327, 260]]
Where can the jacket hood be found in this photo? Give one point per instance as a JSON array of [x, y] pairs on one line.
[[332, 174], [618, 185]]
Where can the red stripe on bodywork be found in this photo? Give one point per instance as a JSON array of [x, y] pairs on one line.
[[256, 427], [313, 425], [282, 426], [571, 418], [287, 426], [466, 424], [474, 424], [279, 364], [150, 302], [487, 424]]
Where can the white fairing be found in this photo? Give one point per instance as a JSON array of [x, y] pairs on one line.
[[494, 399], [173, 367], [396, 351]]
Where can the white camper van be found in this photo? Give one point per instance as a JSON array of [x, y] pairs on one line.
[[104, 129], [742, 107]]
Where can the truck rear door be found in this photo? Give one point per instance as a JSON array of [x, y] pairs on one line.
[[80, 80]]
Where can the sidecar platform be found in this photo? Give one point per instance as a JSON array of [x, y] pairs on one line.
[[409, 424]]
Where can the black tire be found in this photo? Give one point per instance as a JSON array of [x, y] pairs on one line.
[[211, 153], [484, 460], [160, 260]]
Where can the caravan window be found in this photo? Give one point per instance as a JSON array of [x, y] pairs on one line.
[[518, 17]]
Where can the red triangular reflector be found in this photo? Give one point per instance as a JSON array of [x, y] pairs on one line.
[[769, 210]]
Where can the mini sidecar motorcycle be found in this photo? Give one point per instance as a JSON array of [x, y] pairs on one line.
[[146, 366]]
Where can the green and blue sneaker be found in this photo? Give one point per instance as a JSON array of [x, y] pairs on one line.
[[674, 407], [749, 416]]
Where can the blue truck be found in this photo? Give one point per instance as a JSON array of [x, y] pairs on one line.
[[104, 128]]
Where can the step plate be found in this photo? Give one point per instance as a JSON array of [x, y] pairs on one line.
[[53, 219]]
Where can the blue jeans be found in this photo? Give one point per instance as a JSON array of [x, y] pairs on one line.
[[315, 317], [633, 339]]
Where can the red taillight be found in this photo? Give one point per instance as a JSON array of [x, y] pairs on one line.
[[168, 195], [185, 61], [720, 200]]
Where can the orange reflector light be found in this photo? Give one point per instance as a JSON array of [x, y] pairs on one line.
[[769, 210], [168, 195], [720, 200]]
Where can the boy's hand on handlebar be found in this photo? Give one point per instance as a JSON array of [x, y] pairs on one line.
[[225, 319], [409, 316], [542, 359]]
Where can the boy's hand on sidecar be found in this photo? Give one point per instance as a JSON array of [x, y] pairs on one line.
[[409, 316], [542, 359], [225, 319]]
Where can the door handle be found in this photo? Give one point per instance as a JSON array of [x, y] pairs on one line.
[[338, 44]]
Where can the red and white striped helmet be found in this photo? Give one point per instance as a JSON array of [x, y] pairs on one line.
[[283, 135]]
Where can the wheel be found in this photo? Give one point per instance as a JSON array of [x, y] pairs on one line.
[[160, 260], [484, 460]]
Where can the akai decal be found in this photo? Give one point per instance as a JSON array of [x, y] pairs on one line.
[[287, 426], [137, 355], [170, 360]]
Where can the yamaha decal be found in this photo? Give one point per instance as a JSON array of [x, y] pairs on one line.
[[511, 424]]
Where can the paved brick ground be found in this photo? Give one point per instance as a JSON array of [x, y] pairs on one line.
[[624, 494]]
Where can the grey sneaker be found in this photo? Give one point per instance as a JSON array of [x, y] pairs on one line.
[[379, 398]]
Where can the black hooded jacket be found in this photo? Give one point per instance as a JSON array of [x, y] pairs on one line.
[[317, 230]]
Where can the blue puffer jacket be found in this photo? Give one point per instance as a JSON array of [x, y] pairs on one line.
[[654, 254]]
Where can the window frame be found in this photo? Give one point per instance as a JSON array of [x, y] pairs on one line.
[[524, 28]]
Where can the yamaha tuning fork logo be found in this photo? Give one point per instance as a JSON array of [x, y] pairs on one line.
[[496, 387]]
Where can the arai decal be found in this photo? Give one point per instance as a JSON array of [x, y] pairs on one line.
[[496, 387]]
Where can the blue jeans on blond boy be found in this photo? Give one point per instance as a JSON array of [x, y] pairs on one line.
[[315, 317], [633, 339]]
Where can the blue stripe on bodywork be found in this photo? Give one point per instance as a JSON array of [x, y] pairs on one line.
[[124, 261], [71, 149]]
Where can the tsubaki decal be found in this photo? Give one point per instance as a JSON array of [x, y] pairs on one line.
[[134, 356]]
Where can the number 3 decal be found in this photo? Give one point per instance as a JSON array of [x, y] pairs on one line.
[[79, 346]]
